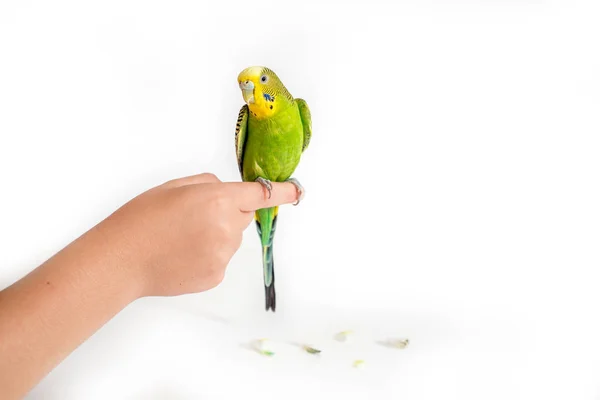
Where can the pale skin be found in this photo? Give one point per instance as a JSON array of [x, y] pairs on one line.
[[174, 239]]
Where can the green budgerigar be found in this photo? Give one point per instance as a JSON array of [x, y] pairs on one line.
[[272, 131]]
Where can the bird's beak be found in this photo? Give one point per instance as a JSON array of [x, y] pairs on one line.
[[247, 91]]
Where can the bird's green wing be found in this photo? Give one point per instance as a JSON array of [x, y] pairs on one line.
[[241, 129], [306, 122]]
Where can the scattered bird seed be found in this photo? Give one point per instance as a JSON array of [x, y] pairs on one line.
[[400, 343], [260, 347], [343, 336], [311, 350]]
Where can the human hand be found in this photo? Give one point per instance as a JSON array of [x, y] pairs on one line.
[[178, 237], [174, 239]]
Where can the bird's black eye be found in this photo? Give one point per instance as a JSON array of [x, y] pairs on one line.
[[264, 79]]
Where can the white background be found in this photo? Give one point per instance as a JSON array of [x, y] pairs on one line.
[[452, 191]]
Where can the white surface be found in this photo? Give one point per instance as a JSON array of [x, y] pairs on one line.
[[452, 191]]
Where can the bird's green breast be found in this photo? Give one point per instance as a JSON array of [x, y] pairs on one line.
[[273, 146]]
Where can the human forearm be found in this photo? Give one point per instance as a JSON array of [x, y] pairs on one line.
[[51, 311]]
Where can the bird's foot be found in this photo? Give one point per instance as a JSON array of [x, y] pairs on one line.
[[265, 183], [299, 189]]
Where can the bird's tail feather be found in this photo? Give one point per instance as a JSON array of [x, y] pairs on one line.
[[266, 221]]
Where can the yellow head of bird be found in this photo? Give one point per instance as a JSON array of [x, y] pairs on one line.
[[263, 91]]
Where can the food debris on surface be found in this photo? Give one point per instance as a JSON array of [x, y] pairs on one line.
[[311, 350], [343, 336], [260, 347], [399, 343], [263, 347]]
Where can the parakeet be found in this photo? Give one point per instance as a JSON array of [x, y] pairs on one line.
[[272, 131]]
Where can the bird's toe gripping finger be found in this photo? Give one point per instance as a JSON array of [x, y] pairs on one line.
[[266, 184], [299, 189]]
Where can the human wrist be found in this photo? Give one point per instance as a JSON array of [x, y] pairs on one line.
[[120, 266]]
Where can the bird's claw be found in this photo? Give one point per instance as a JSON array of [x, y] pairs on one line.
[[299, 190], [266, 184]]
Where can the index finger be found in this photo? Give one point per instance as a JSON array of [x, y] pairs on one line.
[[252, 196]]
